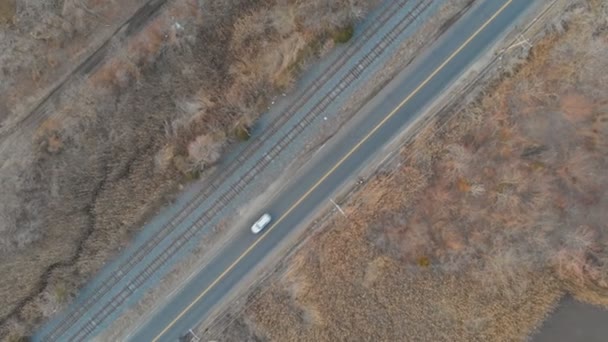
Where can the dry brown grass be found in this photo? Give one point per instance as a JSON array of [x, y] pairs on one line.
[[42, 40], [162, 109], [483, 228], [8, 8]]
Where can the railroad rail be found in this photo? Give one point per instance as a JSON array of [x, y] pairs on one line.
[[440, 117], [353, 74]]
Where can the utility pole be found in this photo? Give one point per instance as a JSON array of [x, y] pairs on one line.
[[521, 40], [338, 207], [194, 337]]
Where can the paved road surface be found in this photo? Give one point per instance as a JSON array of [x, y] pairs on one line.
[[293, 122], [463, 44]]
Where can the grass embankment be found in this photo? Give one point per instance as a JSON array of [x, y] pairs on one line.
[[486, 223]]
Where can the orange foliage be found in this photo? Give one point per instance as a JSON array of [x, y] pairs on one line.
[[463, 185]]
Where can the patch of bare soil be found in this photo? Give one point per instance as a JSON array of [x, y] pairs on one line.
[[159, 112], [487, 222]]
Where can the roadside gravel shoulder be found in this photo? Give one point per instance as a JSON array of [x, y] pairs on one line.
[[229, 320]]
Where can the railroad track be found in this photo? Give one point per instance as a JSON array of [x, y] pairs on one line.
[[442, 116], [353, 74]]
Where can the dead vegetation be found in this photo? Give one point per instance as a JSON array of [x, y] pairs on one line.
[[160, 111], [486, 223], [41, 41]]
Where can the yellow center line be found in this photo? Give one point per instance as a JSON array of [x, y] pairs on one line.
[[337, 165]]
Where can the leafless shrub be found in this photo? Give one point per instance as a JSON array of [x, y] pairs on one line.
[[205, 150], [574, 254]]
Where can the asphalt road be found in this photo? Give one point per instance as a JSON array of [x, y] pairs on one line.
[[296, 119], [465, 41]]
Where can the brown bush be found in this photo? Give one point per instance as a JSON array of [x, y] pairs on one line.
[[205, 150]]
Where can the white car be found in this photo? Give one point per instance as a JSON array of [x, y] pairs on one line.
[[261, 223]]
